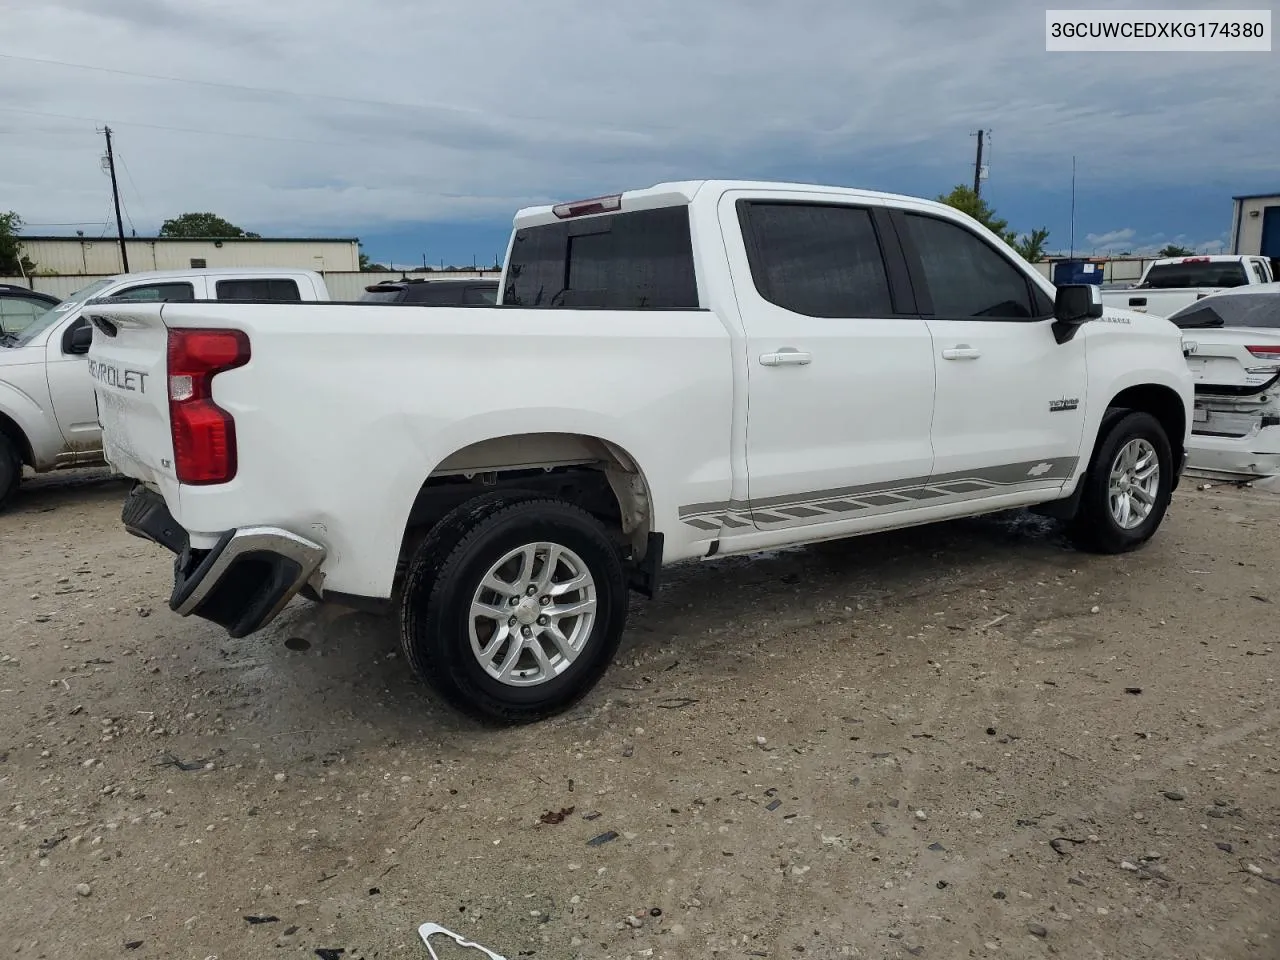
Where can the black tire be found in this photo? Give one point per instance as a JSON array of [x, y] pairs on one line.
[[1094, 527], [444, 574], [10, 469]]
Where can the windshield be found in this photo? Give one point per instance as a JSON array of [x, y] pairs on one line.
[[56, 313], [19, 312], [1202, 273], [1230, 310]]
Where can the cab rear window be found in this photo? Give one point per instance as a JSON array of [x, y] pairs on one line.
[[266, 288], [1202, 274], [642, 260]]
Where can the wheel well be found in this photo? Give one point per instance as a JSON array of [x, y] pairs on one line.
[[1163, 404], [19, 439], [591, 472]]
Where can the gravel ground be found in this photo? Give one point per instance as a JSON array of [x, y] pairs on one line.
[[958, 741]]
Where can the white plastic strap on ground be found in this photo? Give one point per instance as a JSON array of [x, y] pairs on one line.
[[429, 930]]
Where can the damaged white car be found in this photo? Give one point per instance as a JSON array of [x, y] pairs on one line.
[[1232, 344]]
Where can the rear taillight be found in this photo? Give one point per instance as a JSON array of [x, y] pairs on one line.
[[1268, 352], [204, 435]]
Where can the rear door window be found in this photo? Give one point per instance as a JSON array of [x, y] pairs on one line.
[[641, 260], [817, 260], [157, 291], [258, 288]]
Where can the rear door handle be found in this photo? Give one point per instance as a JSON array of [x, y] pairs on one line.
[[961, 351], [785, 356]]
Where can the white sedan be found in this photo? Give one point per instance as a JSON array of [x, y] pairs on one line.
[[1232, 344]]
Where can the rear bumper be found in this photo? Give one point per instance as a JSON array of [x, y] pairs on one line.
[[242, 583], [1252, 456]]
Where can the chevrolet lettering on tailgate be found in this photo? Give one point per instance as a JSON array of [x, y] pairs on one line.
[[134, 381]]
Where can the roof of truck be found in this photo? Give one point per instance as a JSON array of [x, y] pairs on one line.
[[678, 192], [1205, 258], [213, 272]]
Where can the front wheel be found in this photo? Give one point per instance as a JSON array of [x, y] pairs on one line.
[[514, 606], [1128, 486]]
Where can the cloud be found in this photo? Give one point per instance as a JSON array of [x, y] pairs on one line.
[[401, 111], [1128, 240], [1112, 238]]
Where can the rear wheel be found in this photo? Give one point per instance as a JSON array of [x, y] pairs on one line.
[[10, 469], [1128, 486], [514, 606]]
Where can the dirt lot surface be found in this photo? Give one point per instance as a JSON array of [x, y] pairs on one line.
[[961, 741]]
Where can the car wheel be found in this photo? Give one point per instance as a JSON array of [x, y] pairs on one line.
[[10, 469], [513, 606], [1128, 486]]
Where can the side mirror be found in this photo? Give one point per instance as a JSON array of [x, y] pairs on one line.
[[1077, 303], [78, 339]]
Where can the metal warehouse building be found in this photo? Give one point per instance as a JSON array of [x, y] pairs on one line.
[[1255, 227], [82, 256]]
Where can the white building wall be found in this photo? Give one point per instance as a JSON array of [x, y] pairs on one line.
[[1246, 225], [72, 255]]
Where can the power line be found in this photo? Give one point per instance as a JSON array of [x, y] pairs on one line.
[[136, 192], [127, 215], [451, 108], [246, 88], [160, 126]]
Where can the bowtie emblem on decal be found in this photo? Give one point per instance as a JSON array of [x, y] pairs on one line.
[[1039, 469]]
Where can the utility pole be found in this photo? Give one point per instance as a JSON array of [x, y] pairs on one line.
[[1072, 254], [977, 167], [115, 196]]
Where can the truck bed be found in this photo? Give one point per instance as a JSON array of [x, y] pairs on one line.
[[341, 410]]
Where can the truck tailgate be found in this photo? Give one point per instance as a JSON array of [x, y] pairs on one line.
[[127, 362], [1158, 303]]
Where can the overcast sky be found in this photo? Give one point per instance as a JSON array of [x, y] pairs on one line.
[[421, 126]]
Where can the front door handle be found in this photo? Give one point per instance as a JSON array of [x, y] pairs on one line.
[[785, 356], [961, 351]]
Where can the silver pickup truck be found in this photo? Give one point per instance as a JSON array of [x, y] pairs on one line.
[[48, 410]]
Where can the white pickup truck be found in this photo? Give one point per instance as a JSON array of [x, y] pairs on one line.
[[48, 414], [1169, 284], [687, 371]]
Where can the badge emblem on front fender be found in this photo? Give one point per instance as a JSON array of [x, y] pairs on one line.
[[1064, 405]]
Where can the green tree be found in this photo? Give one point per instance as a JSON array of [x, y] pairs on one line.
[[1174, 250], [1032, 246], [368, 266], [202, 225], [966, 201], [13, 262]]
